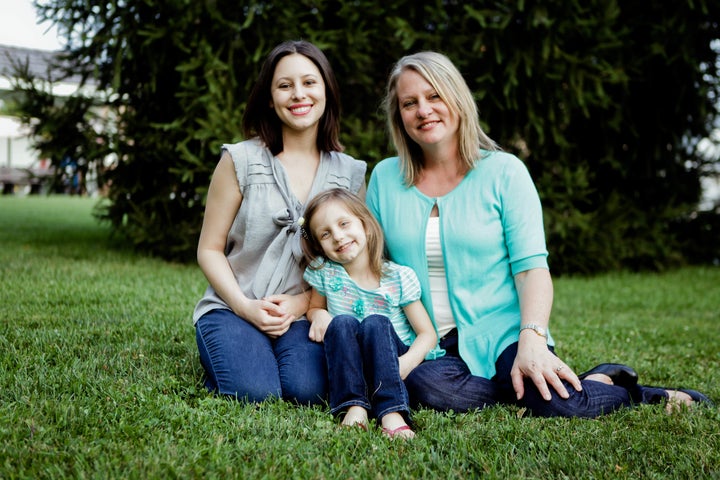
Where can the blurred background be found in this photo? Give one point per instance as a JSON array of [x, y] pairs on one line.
[[612, 105]]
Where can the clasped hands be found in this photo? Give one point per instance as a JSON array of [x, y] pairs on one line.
[[274, 314]]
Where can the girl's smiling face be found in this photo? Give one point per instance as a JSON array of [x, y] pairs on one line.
[[341, 234]]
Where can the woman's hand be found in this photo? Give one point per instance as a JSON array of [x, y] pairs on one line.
[[297, 305], [536, 362], [268, 317]]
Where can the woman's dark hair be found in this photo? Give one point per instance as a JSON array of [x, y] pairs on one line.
[[262, 121]]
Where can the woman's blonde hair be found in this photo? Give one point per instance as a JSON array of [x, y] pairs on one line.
[[445, 78], [311, 248]]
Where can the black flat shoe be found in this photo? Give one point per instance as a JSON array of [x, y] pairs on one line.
[[621, 375]]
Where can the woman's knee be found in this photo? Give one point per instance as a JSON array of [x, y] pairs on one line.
[[302, 367], [307, 391], [238, 360]]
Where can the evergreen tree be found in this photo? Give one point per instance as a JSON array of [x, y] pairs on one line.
[[604, 100]]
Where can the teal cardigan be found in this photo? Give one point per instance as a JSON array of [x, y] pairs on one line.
[[491, 228]]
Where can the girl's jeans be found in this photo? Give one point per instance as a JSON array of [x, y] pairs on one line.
[[242, 362], [363, 368], [447, 384]]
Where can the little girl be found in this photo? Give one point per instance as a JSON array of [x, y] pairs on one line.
[[366, 310]]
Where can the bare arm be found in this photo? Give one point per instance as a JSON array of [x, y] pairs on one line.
[[533, 359], [424, 342], [223, 201]]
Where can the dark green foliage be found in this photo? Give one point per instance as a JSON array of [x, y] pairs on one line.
[[604, 100]]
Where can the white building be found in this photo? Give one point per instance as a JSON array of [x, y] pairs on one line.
[[17, 157]]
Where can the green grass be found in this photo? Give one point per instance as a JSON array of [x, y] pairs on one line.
[[99, 378]]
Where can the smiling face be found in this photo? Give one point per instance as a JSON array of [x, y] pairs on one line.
[[425, 116], [298, 93], [341, 234]]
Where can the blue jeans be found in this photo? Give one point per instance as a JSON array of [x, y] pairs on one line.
[[242, 362], [363, 368], [447, 384]]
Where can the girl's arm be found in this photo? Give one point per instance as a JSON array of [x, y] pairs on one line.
[[424, 342], [534, 360], [318, 316], [223, 201]]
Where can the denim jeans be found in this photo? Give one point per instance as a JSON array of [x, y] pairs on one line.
[[242, 362], [447, 384], [363, 368]]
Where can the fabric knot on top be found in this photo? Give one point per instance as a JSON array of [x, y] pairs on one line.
[[281, 251], [292, 226], [285, 218]]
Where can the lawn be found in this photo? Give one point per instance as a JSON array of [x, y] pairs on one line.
[[99, 377]]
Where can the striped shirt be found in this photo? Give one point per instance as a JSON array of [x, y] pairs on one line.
[[399, 287]]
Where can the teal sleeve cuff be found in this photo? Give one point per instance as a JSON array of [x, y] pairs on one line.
[[528, 263]]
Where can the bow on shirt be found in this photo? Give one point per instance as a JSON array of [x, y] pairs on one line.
[[281, 261]]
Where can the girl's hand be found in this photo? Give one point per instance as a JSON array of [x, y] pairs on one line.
[[319, 325], [318, 316]]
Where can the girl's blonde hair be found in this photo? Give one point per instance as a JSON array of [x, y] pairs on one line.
[[311, 248], [445, 78]]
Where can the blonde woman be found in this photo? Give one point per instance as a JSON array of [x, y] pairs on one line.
[[468, 219]]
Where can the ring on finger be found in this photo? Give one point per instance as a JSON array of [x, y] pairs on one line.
[[559, 368]]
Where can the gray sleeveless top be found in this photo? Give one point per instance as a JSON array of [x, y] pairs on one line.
[[263, 245]]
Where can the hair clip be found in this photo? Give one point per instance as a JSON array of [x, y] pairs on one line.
[[303, 231]]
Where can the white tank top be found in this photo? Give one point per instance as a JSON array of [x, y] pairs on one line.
[[438, 282]]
